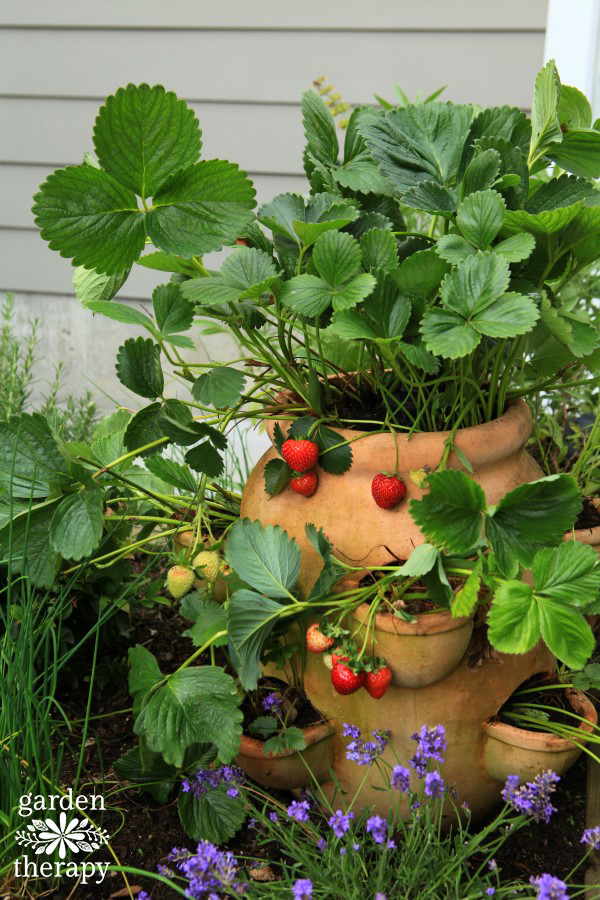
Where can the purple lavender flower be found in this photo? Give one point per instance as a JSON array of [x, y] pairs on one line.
[[364, 753], [434, 785], [380, 896], [401, 778], [303, 889], [343, 851], [340, 822], [208, 870], [431, 744], [273, 817], [272, 702], [251, 823], [143, 896], [210, 779], [490, 891], [299, 810], [493, 865], [549, 888], [356, 847], [352, 731], [322, 845], [591, 837], [377, 828], [391, 844], [532, 799]]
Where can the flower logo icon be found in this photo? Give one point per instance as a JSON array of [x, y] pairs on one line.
[[75, 835]]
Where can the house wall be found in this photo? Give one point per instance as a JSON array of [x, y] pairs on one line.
[[243, 67]]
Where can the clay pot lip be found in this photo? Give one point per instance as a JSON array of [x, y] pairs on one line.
[[545, 741], [483, 444], [253, 748], [586, 535], [426, 624]]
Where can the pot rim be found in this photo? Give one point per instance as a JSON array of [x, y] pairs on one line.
[[482, 444], [426, 624], [313, 734], [545, 741]]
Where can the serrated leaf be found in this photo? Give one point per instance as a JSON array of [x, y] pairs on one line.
[[264, 726], [91, 285], [138, 367], [142, 135], [515, 248], [566, 633], [420, 275], [545, 123], [454, 248], [195, 705], [529, 517], [574, 108], [446, 333], [165, 262], [513, 619], [431, 197], [246, 274], [319, 128], [542, 224], [89, 217], [30, 461], [213, 816], [559, 192], [337, 257], [144, 675], [206, 459], [302, 222], [277, 474], [251, 617], [120, 312], [157, 778], [481, 172], [578, 152], [480, 217], [418, 143], [422, 560], [201, 209], [172, 473], [379, 250], [450, 514], [265, 557], [220, 387], [290, 739], [419, 357], [465, 599], [360, 174], [210, 621], [77, 523], [172, 311], [26, 540], [569, 573]]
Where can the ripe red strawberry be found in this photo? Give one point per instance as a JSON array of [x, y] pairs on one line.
[[300, 455], [344, 680], [378, 682], [387, 490], [338, 655], [242, 242], [316, 641], [304, 484]]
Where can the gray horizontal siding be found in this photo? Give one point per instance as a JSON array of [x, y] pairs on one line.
[[242, 67], [270, 67], [314, 14]]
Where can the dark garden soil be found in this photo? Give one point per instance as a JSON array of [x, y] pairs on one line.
[[144, 831], [297, 708], [589, 517], [539, 694]]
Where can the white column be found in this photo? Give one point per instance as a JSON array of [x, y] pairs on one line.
[[573, 40]]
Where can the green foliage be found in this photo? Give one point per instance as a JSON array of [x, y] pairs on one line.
[[148, 143]]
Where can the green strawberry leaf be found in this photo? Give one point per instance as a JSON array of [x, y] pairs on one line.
[[143, 134], [91, 285], [265, 557], [30, 461], [251, 618], [513, 619], [78, 522], [220, 387], [277, 474], [138, 367], [568, 573], [450, 515], [213, 817], [290, 739]]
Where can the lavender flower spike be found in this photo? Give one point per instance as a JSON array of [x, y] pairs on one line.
[[532, 799], [591, 837], [550, 888], [303, 889], [377, 828]]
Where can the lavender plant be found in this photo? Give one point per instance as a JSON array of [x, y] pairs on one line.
[[326, 849]]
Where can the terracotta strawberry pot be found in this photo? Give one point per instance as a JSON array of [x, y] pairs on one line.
[[287, 770], [589, 536], [421, 652], [509, 750], [364, 534]]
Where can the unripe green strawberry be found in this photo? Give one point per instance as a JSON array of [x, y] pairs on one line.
[[179, 581], [208, 565]]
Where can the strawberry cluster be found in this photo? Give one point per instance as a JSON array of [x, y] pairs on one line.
[[349, 673], [301, 456]]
